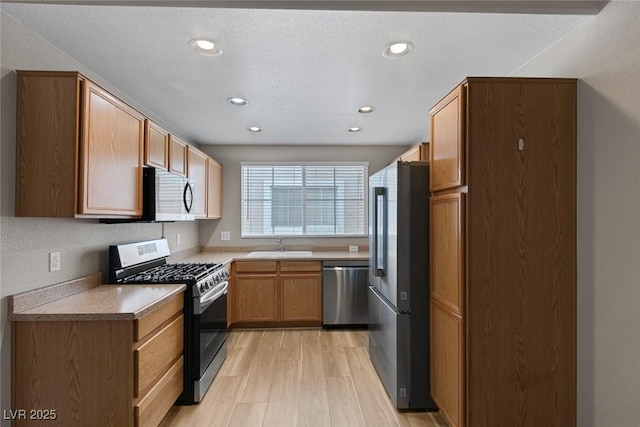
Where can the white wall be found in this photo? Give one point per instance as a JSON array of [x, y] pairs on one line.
[[231, 157], [25, 242], [605, 55]]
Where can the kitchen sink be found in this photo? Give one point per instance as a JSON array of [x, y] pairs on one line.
[[280, 254]]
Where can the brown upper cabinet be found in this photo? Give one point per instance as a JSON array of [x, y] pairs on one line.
[[156, 146], [177, 156], [197, 174], [417, 153], [214, 189], [447, 160], [79, 149]]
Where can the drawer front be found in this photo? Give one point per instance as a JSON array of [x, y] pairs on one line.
[[256, 266], [155, 405], [157, 317], [155, 356], [301, 266]]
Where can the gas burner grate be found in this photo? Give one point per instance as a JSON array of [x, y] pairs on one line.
[[172, 272]]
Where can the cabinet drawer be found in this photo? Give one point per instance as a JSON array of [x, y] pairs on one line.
[[301, 266], [155, 356], [155, 318], [154, 406], [256, 266]]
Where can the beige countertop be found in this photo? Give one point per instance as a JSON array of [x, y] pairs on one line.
[[86, 299], [103, 302], [227, 257]]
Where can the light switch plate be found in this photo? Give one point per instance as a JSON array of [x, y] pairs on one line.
[[225, 235]]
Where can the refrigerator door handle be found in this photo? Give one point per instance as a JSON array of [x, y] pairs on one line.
[[380, 231]]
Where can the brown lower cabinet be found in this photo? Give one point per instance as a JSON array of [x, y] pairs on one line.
[[99, 373], [276, 293]]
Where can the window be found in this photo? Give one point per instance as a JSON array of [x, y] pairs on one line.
[[304, 199]]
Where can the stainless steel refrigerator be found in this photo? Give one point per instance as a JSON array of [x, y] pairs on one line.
[[399, 282]]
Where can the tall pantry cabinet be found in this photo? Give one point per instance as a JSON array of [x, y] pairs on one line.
[[503, 253]]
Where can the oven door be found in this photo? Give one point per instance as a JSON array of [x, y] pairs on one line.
[[210, 327]]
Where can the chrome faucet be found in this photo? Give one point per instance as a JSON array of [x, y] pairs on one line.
[[279, 242]]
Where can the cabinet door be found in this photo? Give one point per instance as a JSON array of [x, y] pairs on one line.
[[177, 156], [156, 146], [256, 298], [111, 156], [214, 189], [47, 142], [447, 250], [301, 297], [447, 364], [197, 174], [447, 141]]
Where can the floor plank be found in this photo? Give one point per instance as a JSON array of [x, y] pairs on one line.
[[258, 384], [297, 378], [282, 408], [248, 414], [313, 405], [343, 403]]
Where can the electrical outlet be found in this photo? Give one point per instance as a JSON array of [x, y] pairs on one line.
[[54, 261], [353, 249], [178, 239], [225, 235]]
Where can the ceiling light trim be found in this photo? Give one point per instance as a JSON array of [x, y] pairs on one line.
[[366, 109], [398, 49], [205, 47], [237, 101]]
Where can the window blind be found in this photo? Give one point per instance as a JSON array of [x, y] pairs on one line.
[[304, 199]]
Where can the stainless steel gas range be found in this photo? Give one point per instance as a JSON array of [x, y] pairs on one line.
[[205, 306]]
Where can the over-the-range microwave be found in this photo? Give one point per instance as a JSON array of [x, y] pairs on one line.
[[166, 197]]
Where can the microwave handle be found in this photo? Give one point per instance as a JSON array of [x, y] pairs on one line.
[[187, 197]]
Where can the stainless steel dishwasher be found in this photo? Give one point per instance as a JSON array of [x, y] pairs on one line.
[[345, 300]]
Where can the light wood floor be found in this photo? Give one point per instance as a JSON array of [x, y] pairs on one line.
[[284, 378]]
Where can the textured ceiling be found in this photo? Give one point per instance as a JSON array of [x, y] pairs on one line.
[[304, 72]]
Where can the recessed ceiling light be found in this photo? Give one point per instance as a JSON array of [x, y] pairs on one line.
[[365, 110], [254, 129], [398, 49], [234, 100], [355, 129], [205, 47]]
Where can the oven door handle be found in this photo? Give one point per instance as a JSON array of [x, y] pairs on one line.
[[204, 303]]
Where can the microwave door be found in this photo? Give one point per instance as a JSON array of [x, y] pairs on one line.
[[173, 195]]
